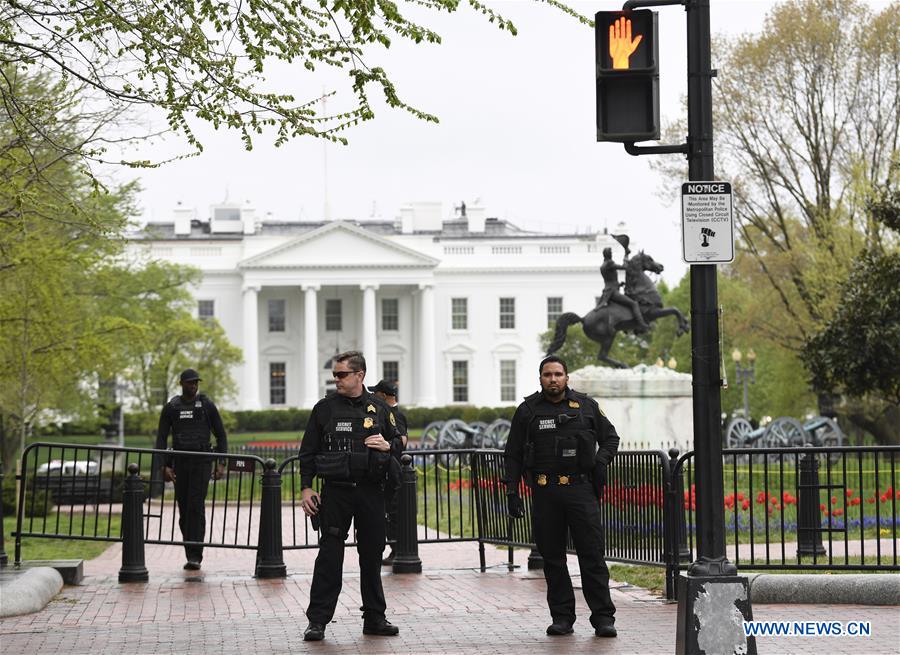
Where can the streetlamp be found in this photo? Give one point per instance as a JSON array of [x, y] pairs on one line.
[[744, 374]]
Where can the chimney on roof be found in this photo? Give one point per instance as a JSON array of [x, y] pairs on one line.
[[248, 216], [183, 217], [421, 217], [475, 218]]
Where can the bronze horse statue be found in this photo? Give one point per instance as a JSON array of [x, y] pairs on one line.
[[602, 323]]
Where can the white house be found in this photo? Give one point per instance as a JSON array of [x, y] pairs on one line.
[[451, 308]]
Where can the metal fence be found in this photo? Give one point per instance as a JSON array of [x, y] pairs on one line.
[[445, 502], [786, 508], [804, 508], [76, 492]]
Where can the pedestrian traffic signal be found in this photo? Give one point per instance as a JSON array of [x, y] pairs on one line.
[[627, 75]]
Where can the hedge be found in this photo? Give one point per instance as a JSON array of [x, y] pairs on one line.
[[294, 420]]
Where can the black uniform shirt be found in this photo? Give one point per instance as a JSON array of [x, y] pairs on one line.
[[190, 423], [604, 433], [320, 418]]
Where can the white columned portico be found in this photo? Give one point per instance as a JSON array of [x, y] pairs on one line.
[[369, 333], [310, 345], [425, 356], [250, 385]]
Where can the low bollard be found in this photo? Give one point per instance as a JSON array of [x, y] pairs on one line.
[[270, 553], [133, 569], [684, 553], [4, 558], [406, 555], [809, 517]]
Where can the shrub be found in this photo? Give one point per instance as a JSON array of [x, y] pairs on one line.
[[35, 508]]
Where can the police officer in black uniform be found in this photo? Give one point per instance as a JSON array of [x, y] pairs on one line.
[[190, 418], [562, 443], [349, 441], [387, 391]]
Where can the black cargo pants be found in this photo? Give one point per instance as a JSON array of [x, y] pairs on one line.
[[364, 504], [558, 510], [191, 485]]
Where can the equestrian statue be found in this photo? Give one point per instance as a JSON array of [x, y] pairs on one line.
[[632, 311]]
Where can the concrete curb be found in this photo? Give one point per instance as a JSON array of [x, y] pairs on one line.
[[29, 592], [852, 589]]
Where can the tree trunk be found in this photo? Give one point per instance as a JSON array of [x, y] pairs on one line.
[[883, 428]]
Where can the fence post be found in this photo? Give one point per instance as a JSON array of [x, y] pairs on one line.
[[809, 517], [684, 553], [535, 561], [269, 549], [133, 569], [4, 559], [406, 556]]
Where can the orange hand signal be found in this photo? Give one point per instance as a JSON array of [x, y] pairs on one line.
[[621, 47]]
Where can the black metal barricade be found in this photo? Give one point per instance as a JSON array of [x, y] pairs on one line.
[[76, 492]]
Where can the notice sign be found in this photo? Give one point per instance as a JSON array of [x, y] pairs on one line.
[[707, 224]]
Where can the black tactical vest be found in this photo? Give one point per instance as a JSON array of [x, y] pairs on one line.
[[190, 424], [560, 439], [344, 455]]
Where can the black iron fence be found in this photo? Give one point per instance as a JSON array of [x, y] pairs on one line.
[[805, 508], [786, 508]]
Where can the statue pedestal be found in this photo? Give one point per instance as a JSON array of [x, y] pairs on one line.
[[650, 406]]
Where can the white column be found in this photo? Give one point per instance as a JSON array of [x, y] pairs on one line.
[[370, 332], [250, 385], [425, 358], [310, 346]]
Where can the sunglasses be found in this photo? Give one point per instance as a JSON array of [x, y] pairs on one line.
[[340, 375]]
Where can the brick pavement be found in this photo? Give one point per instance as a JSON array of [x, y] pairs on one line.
[[449, 608]]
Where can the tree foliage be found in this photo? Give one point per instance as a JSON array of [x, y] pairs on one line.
[[208, 60], [71, 310], [801, 173], [857, 351]]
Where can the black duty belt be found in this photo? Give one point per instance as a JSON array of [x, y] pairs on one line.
[[558, 479]]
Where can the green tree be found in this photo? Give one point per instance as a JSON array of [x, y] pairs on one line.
[[55, 230], [858, 349], [71, 310], [207, 61], [807, 122]]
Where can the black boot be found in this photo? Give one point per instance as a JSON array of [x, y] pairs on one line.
[[559, 628], [381, 627], [314, 632]]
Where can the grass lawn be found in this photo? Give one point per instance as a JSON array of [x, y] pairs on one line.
[[53, 548]]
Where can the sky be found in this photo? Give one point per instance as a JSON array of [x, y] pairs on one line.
[[517, 131]]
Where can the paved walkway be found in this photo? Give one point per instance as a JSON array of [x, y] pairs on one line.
[[449, 608]]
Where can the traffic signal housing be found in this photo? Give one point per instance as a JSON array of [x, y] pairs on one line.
[[627, 75]]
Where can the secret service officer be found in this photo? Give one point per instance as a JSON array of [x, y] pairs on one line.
[[349, 441], [190, 418], [562, 443], [387, 391]]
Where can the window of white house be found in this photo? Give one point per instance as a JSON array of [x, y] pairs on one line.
[[507, 380], [333, 314], [460, 381], [390, 371], [206, 309], [276, 315], [390, 314], [554, 310], [277, 383], [507, 313], [459, 313]]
